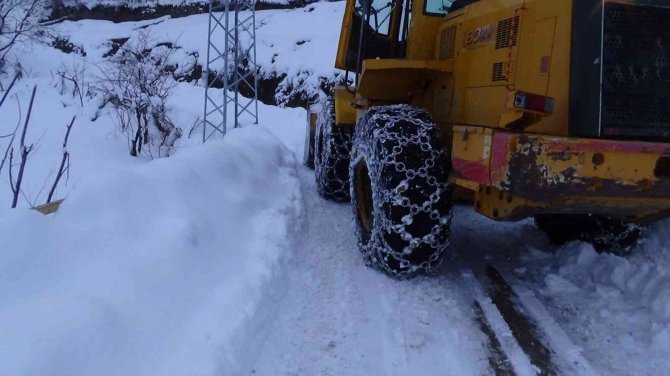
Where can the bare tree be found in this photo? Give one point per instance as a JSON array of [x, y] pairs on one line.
[[137, 84], [17, 21]]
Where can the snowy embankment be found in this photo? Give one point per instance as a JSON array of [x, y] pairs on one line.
[[170, 266], [166, 268]]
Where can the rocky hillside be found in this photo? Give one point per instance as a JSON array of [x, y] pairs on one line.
[[139, 10], [295, 65]]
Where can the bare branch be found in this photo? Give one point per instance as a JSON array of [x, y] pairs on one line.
[[11, 141], [25, 151], [9, 88], [66, 159], [34, 202], [11, 168], [73, 79], [53, 22], [16, 21]]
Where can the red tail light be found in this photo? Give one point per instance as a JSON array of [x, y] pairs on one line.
[[533, 102]]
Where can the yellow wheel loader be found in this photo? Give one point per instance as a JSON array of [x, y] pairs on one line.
[[558, 110]]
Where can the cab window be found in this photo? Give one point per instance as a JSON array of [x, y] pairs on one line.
[[437, 7], [379, 16]]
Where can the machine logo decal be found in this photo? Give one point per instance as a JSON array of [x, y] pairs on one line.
[[480, 35]]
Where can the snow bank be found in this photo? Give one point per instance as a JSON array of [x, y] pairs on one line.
[[623, 303], [165, 268], [302, 44]]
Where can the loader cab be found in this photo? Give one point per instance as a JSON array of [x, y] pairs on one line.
[[389, 29], [371, 29]]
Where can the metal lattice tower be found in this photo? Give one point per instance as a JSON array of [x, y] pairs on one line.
[[231, 53]]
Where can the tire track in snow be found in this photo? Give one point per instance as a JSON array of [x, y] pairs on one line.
[[498, 360], [526, 332], [505, 335], [570, 355], [518, 326]]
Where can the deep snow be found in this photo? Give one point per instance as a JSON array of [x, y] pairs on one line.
[[223, 260], [166, 268]]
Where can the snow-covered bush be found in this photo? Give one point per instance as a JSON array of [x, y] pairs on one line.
[[137, 82], [72, 79], [18, 21]]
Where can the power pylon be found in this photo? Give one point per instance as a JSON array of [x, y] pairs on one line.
[[231, 61]]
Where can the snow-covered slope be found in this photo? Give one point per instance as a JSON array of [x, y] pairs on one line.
[[171, 267], [156, 267], [94, 145], [296, 47]]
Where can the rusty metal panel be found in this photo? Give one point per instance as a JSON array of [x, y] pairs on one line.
[[518, 175], [543, 168]]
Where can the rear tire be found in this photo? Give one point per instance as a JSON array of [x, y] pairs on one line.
[[400, 191], [604, 233], [332, 150]]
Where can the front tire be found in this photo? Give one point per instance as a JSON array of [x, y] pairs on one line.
[[400, 191]]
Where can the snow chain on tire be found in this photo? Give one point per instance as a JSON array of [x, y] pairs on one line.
[[399, 153], [332, 150]]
